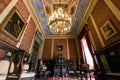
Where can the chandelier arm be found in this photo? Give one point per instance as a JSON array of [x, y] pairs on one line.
[[51, 22], [60, 22]]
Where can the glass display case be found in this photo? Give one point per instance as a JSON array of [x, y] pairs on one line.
[[60, 69]]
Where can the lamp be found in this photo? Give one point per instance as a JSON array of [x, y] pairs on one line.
[[60, 22]]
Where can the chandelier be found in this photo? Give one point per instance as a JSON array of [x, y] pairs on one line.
[[60, 22]]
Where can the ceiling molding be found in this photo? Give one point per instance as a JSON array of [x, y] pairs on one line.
[[60, 37], [33, 15], [79, 7], [87, 14]]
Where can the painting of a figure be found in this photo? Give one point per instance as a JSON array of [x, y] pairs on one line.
[[108, 30], [60, 48], [13, 25]]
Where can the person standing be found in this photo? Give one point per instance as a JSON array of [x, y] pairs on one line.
[[17, 28]]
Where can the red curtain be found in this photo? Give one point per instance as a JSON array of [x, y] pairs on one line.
[[91, 50], [84, 32], [83, 59]]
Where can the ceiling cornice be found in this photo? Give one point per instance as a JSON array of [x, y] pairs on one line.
[[60, 37], [33, 15], [86, 16]]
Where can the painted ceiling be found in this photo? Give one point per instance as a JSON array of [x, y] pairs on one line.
[[44, 8]]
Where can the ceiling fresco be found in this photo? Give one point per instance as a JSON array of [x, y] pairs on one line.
[[44, 8]]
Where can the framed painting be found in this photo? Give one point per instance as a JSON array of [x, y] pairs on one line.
[[108, 30], [14, 25], [105, 63], [59, 48]]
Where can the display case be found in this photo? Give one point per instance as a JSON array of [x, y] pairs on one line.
[[60, 69], [109, 61]]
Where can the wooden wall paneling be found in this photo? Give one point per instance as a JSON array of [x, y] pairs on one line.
[[47, 49], [101, 14], [62, 42], [117, 3], [73, 49]]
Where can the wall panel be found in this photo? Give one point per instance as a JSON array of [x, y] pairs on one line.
[[72, 49], [3, 4], [69, 48], [47, 49], [101, 14], [94, 34], [28, 36], [22, 9], [117, 3], [62, 42]]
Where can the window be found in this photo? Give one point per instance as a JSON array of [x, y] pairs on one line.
[[86, 53]]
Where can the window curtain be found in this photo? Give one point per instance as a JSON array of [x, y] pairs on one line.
[[83, 59], [84, 33], [91, 49]]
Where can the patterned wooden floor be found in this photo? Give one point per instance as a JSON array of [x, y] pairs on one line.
[[70, 79], [50, 78], [75, 78]]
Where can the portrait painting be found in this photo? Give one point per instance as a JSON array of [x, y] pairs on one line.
[[59, 48], [14, 24], [108, 30]]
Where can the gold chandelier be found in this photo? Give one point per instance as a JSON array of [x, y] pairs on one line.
[[60, 22]]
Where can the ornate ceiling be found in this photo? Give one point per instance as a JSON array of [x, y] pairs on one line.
[[44, 8]]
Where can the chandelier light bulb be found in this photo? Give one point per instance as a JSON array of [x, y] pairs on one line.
[[59, 22]]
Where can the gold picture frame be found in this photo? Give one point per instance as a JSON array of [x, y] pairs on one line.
[[59, 48], [14, 25], [108, 30]]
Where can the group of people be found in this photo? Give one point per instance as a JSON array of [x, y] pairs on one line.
[[42, 71]]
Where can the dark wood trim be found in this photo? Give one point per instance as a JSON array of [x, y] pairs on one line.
[[117, 44], [7, 45]]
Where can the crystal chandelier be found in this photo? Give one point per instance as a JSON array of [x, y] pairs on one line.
[[60, 22]]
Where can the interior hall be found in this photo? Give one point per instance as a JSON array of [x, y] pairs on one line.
[[59, 39]]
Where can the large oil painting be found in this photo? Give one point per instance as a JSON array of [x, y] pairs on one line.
[[14, 25]]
